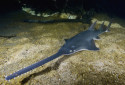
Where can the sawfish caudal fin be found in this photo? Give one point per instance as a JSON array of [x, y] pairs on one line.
[[33, 66], [102, 29]]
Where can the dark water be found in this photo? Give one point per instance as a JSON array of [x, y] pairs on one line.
[[35, 41]]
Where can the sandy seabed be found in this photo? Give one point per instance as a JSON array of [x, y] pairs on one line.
[[35, 41]]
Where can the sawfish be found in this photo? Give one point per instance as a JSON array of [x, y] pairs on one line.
[[82, 41]]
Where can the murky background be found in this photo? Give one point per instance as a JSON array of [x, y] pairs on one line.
[[22, 44]]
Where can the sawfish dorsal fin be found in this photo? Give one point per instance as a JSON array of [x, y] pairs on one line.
[[101, 26], [107, 29], [92, 26]]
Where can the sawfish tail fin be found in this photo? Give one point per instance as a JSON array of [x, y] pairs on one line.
[[33, 66], [102, 29]]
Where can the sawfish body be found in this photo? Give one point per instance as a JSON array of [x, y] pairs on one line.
[[81, 41]]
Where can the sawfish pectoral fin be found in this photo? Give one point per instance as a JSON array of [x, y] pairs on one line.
[[96, 38], [92, 45], [66, 40]]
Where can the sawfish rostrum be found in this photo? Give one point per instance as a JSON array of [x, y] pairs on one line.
[[82, 41]]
